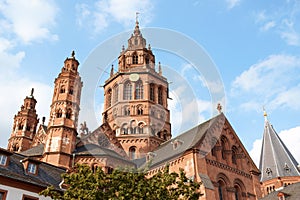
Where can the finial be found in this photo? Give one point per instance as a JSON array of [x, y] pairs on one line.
[[123, 48], [112, 70], [73, 54], [219, 108], [149, 47], [137, 29], [159, 69], [265, 114], [43, 120], [32, 90]]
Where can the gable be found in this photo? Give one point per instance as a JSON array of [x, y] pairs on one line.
[[40, 136]]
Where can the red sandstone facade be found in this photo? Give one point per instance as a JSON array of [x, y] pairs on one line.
[[136, 124]]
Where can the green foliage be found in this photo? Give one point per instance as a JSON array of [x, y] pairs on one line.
[[83, 183]]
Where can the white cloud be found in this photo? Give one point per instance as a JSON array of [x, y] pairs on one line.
[[232, 3], [270, 81], [289, 34], [29, 20], [267, 26], [104, 12], [11, 101], [187, 110], [291, 139], [282, 21]]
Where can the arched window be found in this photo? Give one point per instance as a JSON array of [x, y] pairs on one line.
[[116, 93], [160, 96], [139, 91], [237, 193], [135, 59], [59, 113], [141, 128], [234, 154], [127, 91], [126, 111], [152, 96], [147, 60], [221, 189], [140, 110], [224, 145], [132, 153], [108, 99], [213, 151], [20, 126], [69, 113], [124, 129], [62, 89], [71, 91], [239, 189]]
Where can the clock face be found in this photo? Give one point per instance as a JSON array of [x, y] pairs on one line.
[[134, 77]]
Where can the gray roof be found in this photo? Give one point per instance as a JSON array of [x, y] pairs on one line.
[[96, 150], [275, 160], [203, 135], [34, 151], [292, 192], [47, 174]]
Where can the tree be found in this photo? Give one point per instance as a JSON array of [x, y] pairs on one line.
[[83, 183]]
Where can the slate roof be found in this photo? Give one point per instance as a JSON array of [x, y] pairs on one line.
[[47, 174], [275, 160], [34, 151], [202, 134], [292, 193], [96, 150]]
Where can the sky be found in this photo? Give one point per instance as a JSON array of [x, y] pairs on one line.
[[253, 45]]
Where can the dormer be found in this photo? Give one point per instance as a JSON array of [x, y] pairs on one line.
[[177, 143], [30, 165], [150, 156], [4, 157], [282, 195]]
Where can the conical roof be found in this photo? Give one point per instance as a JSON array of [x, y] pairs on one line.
[[275, 160]]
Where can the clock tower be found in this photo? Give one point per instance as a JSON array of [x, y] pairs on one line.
[[136, 106]]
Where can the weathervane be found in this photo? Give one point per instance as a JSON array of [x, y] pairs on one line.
[[136, 16]]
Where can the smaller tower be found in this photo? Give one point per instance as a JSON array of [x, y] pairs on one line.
[[277, 165], [24, 127], [64, 110]]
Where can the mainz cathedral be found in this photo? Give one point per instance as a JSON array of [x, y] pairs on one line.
[[135, 132]]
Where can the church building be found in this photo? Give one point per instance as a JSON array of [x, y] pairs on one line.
[[135, 132]]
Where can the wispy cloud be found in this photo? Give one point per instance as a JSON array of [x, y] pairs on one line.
[[99, 16], [269, 82], [232, 3], [283, 20]]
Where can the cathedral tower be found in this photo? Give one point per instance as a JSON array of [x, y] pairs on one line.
[[62, 127], [136, 95], [24, 127]]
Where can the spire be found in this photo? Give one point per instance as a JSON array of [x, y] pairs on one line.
[[275, 160]]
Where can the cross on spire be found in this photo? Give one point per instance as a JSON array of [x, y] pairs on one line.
[[219, 108]]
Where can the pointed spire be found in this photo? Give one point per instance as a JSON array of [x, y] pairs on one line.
[[275, 159]]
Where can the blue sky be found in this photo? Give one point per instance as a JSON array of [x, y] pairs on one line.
[[255, 46]]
